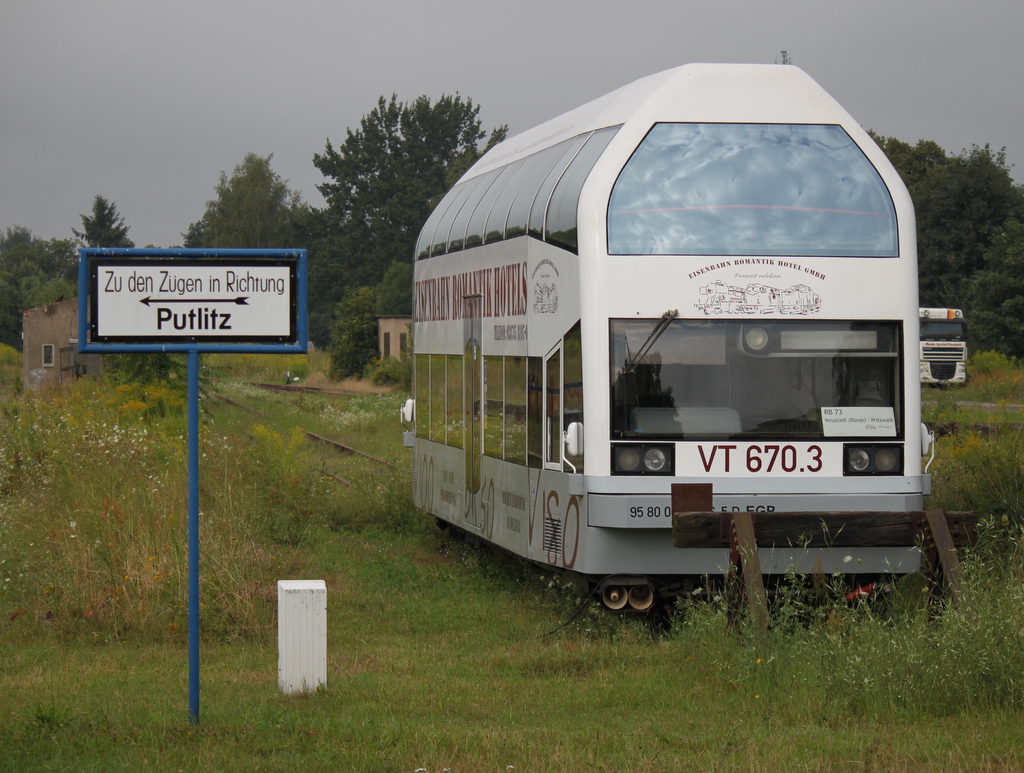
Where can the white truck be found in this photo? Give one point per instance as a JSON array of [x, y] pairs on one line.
[[943, 346]]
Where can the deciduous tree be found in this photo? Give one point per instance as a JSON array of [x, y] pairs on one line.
[[997, 296], [354, 337], [382, 183], [253, 208], [394, 293], [962, 202], [33, 272]]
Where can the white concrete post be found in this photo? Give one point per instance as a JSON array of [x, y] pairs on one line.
[[301, 635]]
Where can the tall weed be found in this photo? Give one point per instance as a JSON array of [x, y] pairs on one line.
[[93, 518], [10, 370], [292, 496], [982, 475], [264, 367], [875, 659]]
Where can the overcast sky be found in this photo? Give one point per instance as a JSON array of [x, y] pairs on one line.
[[146, 103]]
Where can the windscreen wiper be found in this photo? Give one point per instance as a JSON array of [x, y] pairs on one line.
[[661, 327]]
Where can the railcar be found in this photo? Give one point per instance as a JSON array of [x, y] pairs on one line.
[[708, 275]]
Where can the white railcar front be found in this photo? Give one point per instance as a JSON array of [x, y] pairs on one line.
[[709, 275]]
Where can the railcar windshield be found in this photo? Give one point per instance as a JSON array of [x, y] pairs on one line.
[[720, 379], [750, 189], [943, 330]]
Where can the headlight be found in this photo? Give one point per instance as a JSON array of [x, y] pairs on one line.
[[886, 459], [756, 338], [860, 460], [642, 459], [627, 459], [872, 460], [654, 460]]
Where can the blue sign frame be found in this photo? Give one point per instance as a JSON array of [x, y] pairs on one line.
[[92, 258]]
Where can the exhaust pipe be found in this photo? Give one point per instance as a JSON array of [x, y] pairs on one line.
[[614, 597], [641, 597]]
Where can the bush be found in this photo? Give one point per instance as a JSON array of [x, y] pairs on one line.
[[991, 363], [391, 372], [354, 336], [9, 355], [10, 369], [981, 475]]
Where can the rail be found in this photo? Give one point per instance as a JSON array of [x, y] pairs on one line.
[[314, 436]]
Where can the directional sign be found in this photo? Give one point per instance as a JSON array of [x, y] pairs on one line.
[[192, 300]]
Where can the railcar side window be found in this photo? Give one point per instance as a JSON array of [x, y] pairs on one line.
[[453, 404], [438, 389], [540, 202], [497, 217], [750, 189], [457, 234], [534, 410], [572, 386], [553, 409], [423, 400], [538, 194], [444, 225], [519, 211], [494, 410], [560, 224], [515, 409], [475, 230]]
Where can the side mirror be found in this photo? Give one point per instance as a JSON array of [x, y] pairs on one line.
[[408, 411], [927, 439], [574, 439], [927, 444]]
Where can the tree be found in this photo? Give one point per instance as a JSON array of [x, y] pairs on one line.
[[193, 237], [382, 183], [962, 207], [997, 296], [14, 236], [105, 228], [10, 313], [394, 293], [962, 202], [913, 162], [354, 337], [33, 272], [254, 208]]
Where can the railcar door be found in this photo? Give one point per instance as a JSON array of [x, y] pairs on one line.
[[553, 410], [472, 405]]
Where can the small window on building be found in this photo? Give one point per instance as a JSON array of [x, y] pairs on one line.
[[47, 355], [387, 345]]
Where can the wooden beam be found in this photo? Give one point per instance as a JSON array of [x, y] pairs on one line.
[[743, 552], [939, 561], [818, 530]]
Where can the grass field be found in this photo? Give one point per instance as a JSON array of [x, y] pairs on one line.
[[441, 656]]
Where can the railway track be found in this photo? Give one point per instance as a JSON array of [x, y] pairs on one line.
[[986, 429], [303, 388], [336, 444]]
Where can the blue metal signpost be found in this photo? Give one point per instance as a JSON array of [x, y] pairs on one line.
[[192, 301]]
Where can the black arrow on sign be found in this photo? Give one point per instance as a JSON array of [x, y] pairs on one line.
[[242, 300]]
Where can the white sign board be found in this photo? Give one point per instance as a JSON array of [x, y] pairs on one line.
[[191, 300], [858, 421]]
